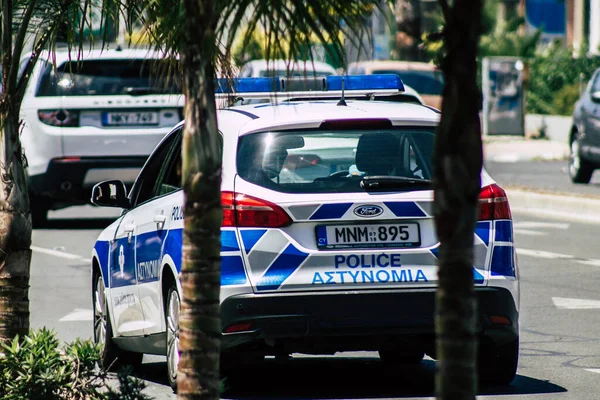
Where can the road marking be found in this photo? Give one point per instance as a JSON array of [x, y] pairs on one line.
[[59, 253], [530, 232], [543, 254], [557, 256], [595, 370], [535, 224], [575, 304], [595, 263], [78, 314]]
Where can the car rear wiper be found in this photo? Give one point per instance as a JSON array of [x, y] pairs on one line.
[[383, 182], [139, 91]]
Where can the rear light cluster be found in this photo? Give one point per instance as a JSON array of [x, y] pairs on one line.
[[493, 203], [246, 211], [61, 117]]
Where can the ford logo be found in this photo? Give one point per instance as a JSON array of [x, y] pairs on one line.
[[368, 211]]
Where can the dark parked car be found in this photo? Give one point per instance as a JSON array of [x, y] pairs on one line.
[[584, 139]]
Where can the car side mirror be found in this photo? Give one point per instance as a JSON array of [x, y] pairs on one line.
[[595, 96], [110, 194]]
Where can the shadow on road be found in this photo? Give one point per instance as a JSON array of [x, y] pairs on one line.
[[77, 223], [353, 378], [154, 372]]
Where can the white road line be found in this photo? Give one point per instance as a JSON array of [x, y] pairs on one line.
[[542, 254], [62, 254], [530, 232], [575, 304], [595, 370], [536, 224], [78, 314], [595, 263], [557, 256]]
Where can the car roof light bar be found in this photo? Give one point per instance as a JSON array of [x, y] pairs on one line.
[[298, 87]]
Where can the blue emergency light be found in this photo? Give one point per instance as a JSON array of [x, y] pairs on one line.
[[365, 82], [248, 85], [319, 84]]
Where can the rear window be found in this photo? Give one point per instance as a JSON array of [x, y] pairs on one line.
[[424, 82], [108, 77], [337, 161]]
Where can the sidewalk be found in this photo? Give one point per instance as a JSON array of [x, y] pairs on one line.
[[510, 149]]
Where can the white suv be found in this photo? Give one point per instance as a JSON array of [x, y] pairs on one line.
[[327, 241], [94, 119]]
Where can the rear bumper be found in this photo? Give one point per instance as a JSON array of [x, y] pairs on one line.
[[352, 321], [69, 180]]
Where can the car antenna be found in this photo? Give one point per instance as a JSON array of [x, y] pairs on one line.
[[342, 101]]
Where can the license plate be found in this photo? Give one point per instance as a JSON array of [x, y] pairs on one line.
[[129, 118], [404, 234]]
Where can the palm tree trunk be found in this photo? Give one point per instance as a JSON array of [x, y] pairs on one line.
[[15, 229], [457, 182], [200, 322]]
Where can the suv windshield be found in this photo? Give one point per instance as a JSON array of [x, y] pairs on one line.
[[338, 161], [108, 77], [424, 82]]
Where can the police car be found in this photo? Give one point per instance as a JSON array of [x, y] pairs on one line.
[[327, 242]]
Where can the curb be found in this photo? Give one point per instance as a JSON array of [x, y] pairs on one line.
[[582, 209], [514, 157]]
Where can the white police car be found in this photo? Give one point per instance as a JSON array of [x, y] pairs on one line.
[[327, 243]]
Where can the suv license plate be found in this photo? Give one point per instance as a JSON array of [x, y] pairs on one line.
[[405, 234], [130, 118]]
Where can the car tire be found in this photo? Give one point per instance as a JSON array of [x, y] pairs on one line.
[[401, 356], [172, 308], [498, 364], [39, 212], [112, 357], [580, 169]]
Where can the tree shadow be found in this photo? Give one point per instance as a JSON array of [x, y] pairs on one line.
[[353, 378], [155, 371]]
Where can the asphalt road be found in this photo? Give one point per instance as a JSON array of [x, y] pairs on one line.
[[560, 321], [541, 175]]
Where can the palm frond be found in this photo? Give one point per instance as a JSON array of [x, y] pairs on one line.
[[292, 27]]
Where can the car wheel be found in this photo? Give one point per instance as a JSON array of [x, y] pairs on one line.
[[172, 308], [580, 170], [111, 356], [401, 355], [39, 212], [498, 365]]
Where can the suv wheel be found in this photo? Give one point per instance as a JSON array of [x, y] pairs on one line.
[[172, 308], [111, 356], [498, 365], [580, 170]]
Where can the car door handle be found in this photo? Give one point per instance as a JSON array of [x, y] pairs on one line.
[[129, 229], [160, 220]]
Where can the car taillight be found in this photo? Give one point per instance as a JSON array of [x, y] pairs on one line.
[[493, 203], [68, 118], [246, 211]]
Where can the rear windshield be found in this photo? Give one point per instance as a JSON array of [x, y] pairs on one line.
[[108, 77], [424, 82], [337, 161]]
